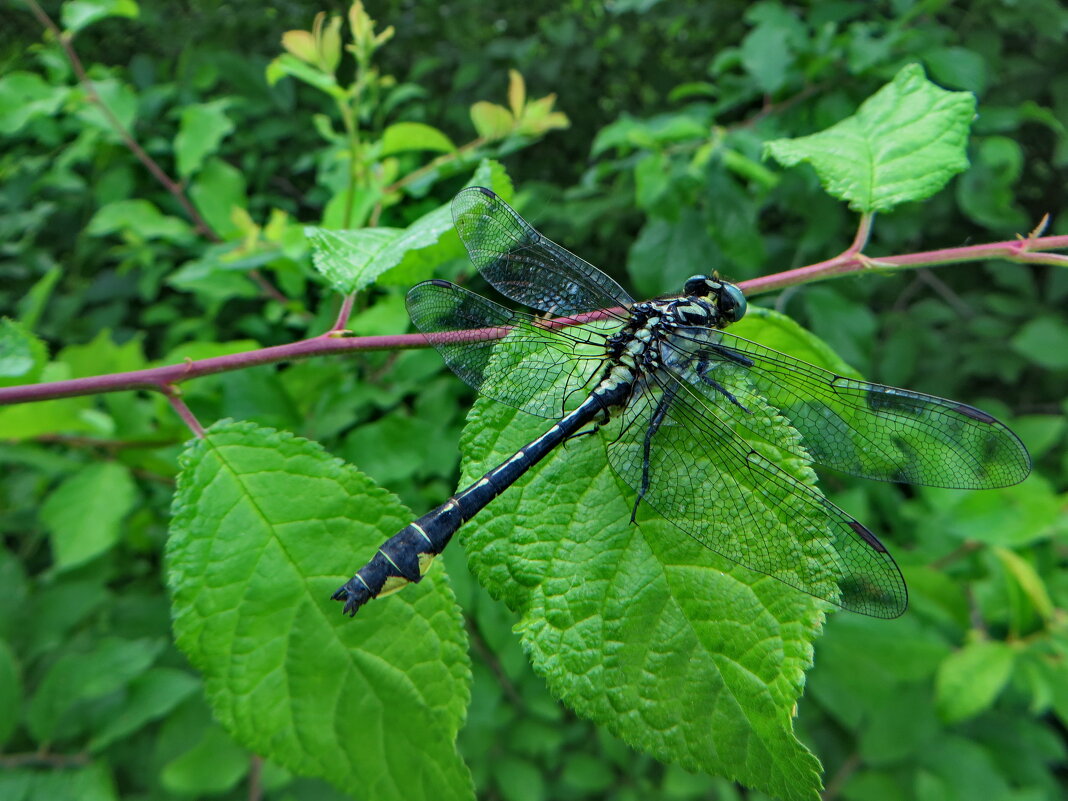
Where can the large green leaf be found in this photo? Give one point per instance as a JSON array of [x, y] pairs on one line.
[[678, 651], [904, 143], [353, 259], [266, 526]]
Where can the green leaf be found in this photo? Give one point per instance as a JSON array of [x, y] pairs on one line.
[[1040, 432], [667, 252], [22, 355], [782, 333], [1043, 341], [404, 136], [491, 121], [1008, 516], [862, 664], [352, 260], [149, 697], [767, 57], [32, 304], [679, 652], [77, 15], [212, 766], [419, 264], [203, 126], [84, 512], [25, 96], [103, 355], [904, 143], [266, 526], [650, 134], [518, 779], [76, 677], [986, 193], [969, 680], [10, 692], [92, 783], [213, 277], [217, 190], [140, 218], [121, 101], [1029, 580], [27, 420], [292, 66], [958, 67]]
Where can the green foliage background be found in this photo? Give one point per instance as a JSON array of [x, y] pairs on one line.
[[660, 175]]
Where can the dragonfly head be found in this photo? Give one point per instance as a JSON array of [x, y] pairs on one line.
[[729, 298]]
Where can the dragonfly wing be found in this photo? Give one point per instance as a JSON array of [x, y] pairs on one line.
[[509, 356], [523, 265], [865, 429], [678, 450]]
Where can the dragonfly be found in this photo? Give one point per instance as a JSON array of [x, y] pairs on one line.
[[683, 407]]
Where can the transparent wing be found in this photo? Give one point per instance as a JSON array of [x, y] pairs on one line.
[[523, 265], [509, 356], [678, 450], [857, 427]]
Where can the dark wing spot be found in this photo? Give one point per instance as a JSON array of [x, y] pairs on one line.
[[975, 414], [866, 534]]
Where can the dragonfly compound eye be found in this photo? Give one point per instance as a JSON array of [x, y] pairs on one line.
[[732, 303]]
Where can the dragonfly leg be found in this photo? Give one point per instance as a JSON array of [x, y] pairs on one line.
[[592, 429], [704, 367], [654, 424]]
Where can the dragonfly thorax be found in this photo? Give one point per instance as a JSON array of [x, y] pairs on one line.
[[636, 348]]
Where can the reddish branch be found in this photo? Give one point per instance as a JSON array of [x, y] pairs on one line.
[[1032, 249], [165, 379]]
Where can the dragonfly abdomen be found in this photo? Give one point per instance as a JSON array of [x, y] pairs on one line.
[[406, 556]]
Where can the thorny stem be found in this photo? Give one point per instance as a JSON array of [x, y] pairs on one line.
[[174, 395], [164, 379], [200, 224], [1027, 251]]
